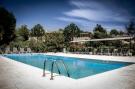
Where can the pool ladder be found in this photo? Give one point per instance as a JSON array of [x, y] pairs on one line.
[[55, 62]]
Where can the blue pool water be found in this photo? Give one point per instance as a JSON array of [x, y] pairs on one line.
[[78, 68]]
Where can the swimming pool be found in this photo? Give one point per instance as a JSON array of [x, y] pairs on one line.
[[78, 68]]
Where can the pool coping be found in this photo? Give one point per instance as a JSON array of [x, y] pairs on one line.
[[98, 57]]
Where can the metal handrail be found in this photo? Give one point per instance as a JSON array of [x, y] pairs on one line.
[[52, 71], [44, 67], [57, 67], [52, 67], [66, 68]]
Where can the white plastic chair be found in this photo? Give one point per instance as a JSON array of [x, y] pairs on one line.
[[7, 50], [29, 50], [22, 50], [15, 50]]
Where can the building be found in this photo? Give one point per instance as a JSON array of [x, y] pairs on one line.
[[83, 36]]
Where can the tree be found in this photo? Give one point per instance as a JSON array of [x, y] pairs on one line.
[[7, 26], [70, 31], [37, 31], [131, 32], [54, 41], [114, 32], [60, 30], [23, 31], [121, 33], [99, 32], [131, 28]]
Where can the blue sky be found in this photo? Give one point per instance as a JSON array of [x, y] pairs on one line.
[[55, 14]]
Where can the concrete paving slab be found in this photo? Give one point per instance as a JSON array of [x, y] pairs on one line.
[[17, 75]]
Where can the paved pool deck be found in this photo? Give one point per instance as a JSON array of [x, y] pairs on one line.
[[17, 75]]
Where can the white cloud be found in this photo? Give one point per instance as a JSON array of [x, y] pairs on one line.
[[67, 19], [88, 13], [86, 4], [88, 25], [95, 11]]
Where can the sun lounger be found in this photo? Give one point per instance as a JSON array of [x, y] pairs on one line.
[[15, 50], [7, 50], [22, 50], [29, 50]]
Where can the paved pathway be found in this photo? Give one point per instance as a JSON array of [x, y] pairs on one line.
[[16, 75]]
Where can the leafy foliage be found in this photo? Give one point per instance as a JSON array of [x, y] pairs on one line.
[[7, 26], [37, 46], [37, 31], [72, 30], [114, 32], [23, 31], [54, 41], [131, 28], [99, 32]]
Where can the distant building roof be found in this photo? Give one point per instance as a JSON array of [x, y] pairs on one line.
[[104, 39]]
